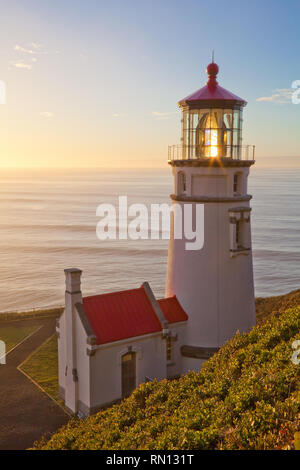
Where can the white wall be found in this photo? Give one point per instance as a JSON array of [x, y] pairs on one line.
[[62, 353], [174, 367], [83, 363], [215, 289], [210, 181], [106, 366]]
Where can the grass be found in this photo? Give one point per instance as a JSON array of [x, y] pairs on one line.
[[12, 335], [42, 367], [31, 314]]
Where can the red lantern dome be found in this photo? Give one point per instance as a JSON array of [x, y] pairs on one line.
[[212, 91]]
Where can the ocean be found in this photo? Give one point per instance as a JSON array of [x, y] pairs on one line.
[[48, 223]]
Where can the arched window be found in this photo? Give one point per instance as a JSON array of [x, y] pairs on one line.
[[128, 373], [181, 184]]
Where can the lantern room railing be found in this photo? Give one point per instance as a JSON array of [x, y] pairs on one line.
[[194, 152]]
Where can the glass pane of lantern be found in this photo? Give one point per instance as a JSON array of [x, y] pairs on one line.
[[193, 133], [228, 137], [190, 137], [235, 137], [185, 119], [241, 119], [227, 119], [195, 119], [214, 117], [203, 118], [236, 117], [218, 118]]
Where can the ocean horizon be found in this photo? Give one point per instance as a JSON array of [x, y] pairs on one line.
[[48, 223]]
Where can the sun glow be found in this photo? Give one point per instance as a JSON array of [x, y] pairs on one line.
[[211, 142]]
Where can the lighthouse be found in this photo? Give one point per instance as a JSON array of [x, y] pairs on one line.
[[210, 167]]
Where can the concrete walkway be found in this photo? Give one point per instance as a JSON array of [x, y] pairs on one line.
[[26, 413]]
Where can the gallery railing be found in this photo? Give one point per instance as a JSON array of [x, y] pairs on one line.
[[190, 152]]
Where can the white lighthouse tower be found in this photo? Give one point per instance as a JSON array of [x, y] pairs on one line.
[[214, 284]]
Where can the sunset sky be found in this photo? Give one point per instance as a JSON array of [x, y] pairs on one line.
[[92, 83]]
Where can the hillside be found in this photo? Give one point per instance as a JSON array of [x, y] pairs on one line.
[[267, 307], [245, 397]]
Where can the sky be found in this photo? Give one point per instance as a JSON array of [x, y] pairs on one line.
[[95, 83]]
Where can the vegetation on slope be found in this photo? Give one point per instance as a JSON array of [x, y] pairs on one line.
[[267, 307], [245, 397]]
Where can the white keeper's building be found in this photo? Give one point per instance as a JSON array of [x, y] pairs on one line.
[[110, 343]]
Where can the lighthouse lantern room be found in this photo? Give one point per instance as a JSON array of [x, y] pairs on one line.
[[211, 166], [212, 123]]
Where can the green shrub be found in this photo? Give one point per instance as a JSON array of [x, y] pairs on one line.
[[245, 397]]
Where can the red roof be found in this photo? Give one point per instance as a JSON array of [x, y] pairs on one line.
[[208, 93], [212, 90], [172, 310], [126, 314]]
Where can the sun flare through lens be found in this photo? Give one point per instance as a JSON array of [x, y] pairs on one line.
[[211, 142]]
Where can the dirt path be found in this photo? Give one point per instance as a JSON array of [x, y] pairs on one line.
[[26, 413]]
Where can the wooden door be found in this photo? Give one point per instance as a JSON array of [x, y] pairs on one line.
[[128, 373]]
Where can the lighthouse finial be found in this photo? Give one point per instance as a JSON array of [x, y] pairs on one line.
[[213, 56], [212, 72]]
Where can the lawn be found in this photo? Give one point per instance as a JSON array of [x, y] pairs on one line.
[[42, 367], [12, 335]]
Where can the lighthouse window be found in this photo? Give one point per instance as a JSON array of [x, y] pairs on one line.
[[181, 183], [235, 183], [238, 234]]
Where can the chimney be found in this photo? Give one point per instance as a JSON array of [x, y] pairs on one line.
[[73, 296], [73, 281]]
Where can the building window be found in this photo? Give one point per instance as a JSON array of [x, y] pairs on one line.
[[169, 349], [128, 373], [181, 182]]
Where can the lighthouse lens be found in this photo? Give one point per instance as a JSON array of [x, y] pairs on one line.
[[214, 132], [211, 142]]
